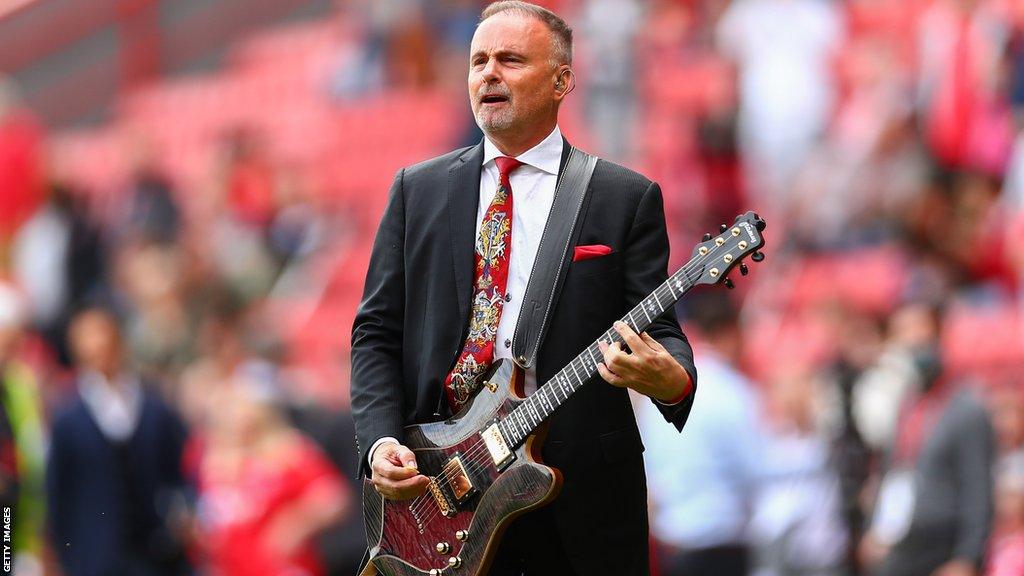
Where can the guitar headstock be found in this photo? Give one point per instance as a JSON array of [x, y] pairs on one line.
[[718, 255]]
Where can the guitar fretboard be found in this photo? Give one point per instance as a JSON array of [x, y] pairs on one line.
[[522, 421]]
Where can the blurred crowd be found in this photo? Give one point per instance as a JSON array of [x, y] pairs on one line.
[[860, 406]]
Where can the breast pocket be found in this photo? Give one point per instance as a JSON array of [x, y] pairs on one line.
[[596, 266]]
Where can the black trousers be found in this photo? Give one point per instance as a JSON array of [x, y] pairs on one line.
[[717, 561], [531, 546]]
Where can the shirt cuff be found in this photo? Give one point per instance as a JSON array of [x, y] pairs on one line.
[[373, 448], [682, 396]]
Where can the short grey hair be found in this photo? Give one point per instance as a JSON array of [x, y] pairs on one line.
[[561, 33]]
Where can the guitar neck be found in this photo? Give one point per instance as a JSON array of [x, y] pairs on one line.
[[536, 409]]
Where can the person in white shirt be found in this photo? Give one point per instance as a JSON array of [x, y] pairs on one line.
[[114, 468]]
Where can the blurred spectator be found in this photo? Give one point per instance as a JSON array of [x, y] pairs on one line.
[[702, 483], [907, 360], [782, 49], [612, 27], [59, 259], [935, 504], [114, 479], [797, 523], [22, 415], [299, 226], [1007, 553], [396, 49], [151, 209], [1008, 542], [248, 178], [265, 491], [21, 162], [966, 116], [161, 330]]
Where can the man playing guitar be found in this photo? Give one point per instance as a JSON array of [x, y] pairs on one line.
[[452, 259]]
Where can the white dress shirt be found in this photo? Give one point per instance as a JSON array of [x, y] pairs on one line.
[[533, 192], [115, 409]]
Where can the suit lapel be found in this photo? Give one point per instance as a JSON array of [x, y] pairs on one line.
[[463, 202]]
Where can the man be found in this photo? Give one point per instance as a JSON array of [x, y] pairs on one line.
[[411, 356], [934, 509], [114, 467], [703, 485]]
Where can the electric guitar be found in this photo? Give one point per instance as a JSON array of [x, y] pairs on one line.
[[484, 463]]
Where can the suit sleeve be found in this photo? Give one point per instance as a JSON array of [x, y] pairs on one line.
[[646, 267], [57, 488], [976, 457], [376, 380]]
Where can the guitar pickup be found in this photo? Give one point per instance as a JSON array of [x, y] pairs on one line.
[[458, 480], [497, 446]]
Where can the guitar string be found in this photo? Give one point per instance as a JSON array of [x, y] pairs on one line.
[[477, 448]]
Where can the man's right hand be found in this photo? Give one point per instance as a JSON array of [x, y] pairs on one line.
[[394, 472]]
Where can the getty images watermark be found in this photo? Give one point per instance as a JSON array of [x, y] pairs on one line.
[[8, 527]]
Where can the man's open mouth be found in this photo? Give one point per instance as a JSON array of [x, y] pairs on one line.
[[493, 99]]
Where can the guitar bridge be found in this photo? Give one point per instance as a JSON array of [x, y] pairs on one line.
[[443, 504]]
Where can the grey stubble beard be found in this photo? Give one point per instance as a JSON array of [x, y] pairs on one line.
[[494, 122]]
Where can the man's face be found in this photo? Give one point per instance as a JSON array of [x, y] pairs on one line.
[[512, 73], [95, 342]]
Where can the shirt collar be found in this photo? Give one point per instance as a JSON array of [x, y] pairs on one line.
[[546, 156]]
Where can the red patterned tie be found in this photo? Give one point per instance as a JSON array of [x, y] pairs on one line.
[[493, 248]]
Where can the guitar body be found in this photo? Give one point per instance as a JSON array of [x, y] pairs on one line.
[[403, 534]]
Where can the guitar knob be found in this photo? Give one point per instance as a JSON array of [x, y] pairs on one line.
[[462, 535], [723, 228], [759, 223], [744, 270], [757, 256], [729, 284], [455, 562], [707, 237], [443, 547], [435, 572]]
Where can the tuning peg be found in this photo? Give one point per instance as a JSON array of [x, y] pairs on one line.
[[743, 269], [707, 237], [757, 256], [723, 228], [759, 223], [728, 284]]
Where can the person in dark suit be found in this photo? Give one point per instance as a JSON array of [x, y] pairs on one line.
[[114, 466], [429, 305], [934, 509]]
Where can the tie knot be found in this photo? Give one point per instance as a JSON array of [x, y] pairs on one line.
[[506, 165]]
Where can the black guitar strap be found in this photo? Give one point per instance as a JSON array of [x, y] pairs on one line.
[[548, 267]]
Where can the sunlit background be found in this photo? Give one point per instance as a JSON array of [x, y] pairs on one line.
[[210, 173]]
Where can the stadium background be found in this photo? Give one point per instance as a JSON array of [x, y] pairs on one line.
[[214, 171]]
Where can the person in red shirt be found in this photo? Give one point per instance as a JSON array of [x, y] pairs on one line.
[[20, 162], [264, 490]]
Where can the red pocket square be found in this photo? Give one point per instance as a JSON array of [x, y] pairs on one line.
[[591, 251]]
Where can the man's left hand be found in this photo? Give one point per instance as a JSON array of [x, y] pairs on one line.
[[647, 368]]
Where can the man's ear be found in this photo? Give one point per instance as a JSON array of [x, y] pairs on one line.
[[565, 81]]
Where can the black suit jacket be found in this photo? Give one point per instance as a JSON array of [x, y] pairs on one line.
[[104, 499], [414, 315]]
